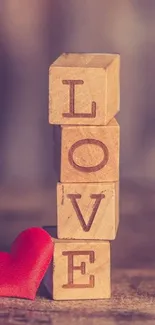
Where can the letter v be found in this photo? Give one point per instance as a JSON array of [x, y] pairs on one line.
[[74, 197]]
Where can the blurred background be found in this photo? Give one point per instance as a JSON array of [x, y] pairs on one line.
[[32, 34]]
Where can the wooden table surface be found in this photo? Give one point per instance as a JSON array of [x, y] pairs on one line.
[[133, 300]]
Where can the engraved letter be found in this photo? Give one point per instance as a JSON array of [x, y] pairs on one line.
[[82, 268], [97, 197], [72, 113], [93, 168]]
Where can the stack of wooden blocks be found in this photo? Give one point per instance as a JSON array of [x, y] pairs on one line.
[[84, 95]]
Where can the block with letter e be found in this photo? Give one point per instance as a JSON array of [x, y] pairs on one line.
[[90, 153], [88, 210], [81, 270], [84, 89]]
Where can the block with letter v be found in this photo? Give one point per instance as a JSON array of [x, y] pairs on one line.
[[87, 210]]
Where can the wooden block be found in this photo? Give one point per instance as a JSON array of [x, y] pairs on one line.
[[87, 210], [84, 89], [81, 270], [90, 154]]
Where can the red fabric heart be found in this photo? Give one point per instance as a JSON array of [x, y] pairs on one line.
[[22, 270]]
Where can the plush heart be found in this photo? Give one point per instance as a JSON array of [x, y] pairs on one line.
[[22, 270]]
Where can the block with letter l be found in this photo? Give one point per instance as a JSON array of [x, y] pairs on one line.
[[88, 210], [90, 153], [84, 89], [81, 270]]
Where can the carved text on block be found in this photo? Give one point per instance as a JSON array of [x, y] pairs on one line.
[[88, 169], [72, 113], [82, 268], [97, 197]]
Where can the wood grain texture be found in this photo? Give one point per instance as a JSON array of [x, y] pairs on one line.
[[87, 210], [90, 154], [84, 89], [81, 270]]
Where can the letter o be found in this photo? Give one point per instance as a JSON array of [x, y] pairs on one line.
[[93, 168]]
